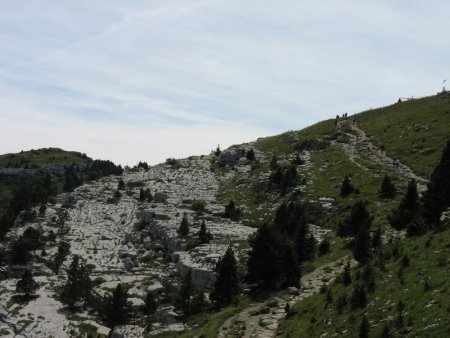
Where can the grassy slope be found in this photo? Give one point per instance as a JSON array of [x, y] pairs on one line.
[[426, 119], [415, 131], [41, 158], [33, 159], [422, 308]]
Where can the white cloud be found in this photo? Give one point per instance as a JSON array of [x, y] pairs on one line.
[[78, 75]]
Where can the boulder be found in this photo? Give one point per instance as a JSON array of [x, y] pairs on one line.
[[145, 215], [155, 288], [127, 331], [229, 157], [166, 313], [147, 256], [160, 197], [128, 264]]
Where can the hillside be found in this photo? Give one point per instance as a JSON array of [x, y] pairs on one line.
[[413, 272], [127, 231], [30, 167]]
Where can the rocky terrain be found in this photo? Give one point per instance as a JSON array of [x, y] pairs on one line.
[[125, 228], [126, 240]]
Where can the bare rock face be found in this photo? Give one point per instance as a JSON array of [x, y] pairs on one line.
[[129, 241], [229, 157], [127, 331], [166, 313], [160, 197], [146, 215]]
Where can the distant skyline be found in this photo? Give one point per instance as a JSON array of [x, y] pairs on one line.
[[140, 80]]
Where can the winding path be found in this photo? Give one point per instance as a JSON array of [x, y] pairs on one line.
[[260, 320], [359, 142]]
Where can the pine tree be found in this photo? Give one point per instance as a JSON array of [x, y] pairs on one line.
[[203, 235], [63, 251], [407, 209], [78, 285], [117, 308], [198, 301], [346, 188], [376, 238], [305, 244], [72, 290], [185, 292], [291, 267], [359, 215], [364, 328], [217, 151], [417, 226], [361, 250], [226, 286], [324, 246], [386, 332], [437, 196], [346, 276], [150, 304], [358, 297], [27, 285], [387, 187], [250, 155], [268, 258], [183, 230], [232, 212]]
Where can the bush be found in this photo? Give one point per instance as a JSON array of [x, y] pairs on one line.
[[324, 247], [198, 206], [232, 212]]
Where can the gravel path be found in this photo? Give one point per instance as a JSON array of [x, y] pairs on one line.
[[260, 320]]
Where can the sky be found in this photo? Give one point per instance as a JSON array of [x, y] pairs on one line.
[[147, 80]]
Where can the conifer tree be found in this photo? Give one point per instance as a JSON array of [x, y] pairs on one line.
[[198, 301], [183, 230], [290, 266], [266, 263], [250, 155], [27, 285], [185, 292], [358, 297], [324, 246], [226, 287], [376, 238], [364, 328], [387, 187], [346, 188], [203, 235], [117, 308], [78, 285], [232, 212], [407, 209], [386, 332], [63, 251], [361, 250], [437, 196], [359, 215], [150, 304], [346, 276]]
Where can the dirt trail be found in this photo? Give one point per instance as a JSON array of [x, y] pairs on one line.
[[358, 143], [260, 320]]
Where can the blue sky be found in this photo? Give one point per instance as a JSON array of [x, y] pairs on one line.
[[147, 80]]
